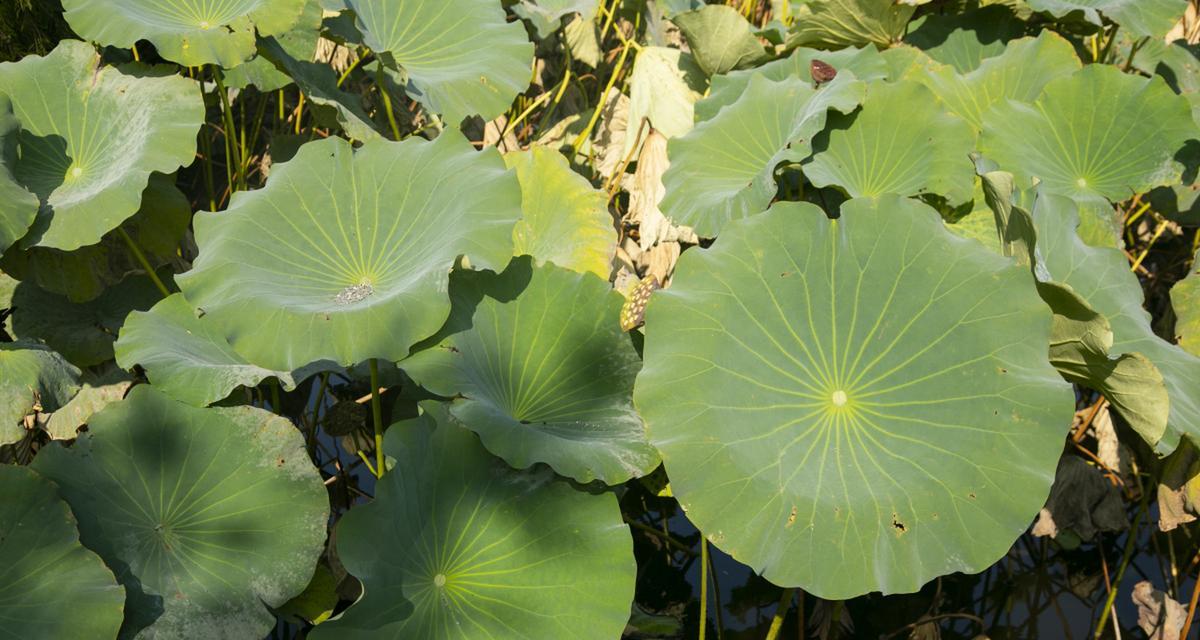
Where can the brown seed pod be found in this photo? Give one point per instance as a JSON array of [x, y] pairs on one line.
[[633, 313]]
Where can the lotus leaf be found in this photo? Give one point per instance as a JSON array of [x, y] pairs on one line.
[[162, 493], [720, 39], [724, 169], [31, 377], [345, 255], [458, 544], [1079, 147], [1142, 18], [853, 405], [300, 43], [51, 586], [1185, 298], [547, 15], [566, 220], [453, 70], [1179, 65], [18, 206], [833, 24], [96, 391], [544, 372], [901, 141], [190, 32], [90, 137], [965, 40]]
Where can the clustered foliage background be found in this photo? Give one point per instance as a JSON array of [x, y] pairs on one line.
[[910, 272]]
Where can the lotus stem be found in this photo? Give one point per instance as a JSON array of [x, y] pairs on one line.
[[141, 258], [387, 99], [377, 416], [1130, 543], [785, 602], [275, 404], [703, 586], [612, 79], [232, 150]]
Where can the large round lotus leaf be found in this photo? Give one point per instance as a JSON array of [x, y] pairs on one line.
[[190, 32], [83, 274], [1081, 147], [1018, 74], [31, 377], [854, 405], [1153, 18], [50, 585], [462, 57], [459, 545], [866, 64], [1185, 298], [187, 357], [901, 141], [833, 24], [300, 43], [18, 206], [544, 372], [566, 220], [90, 137], [965, 40], [724, 169], [208, 516], [720, 38], [345, 255]]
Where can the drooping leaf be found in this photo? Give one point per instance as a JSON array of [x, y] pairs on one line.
[[965, 40], [1185, 299], [582, 39], [833, 24], [462, 57], [91, 136], [724, 169], [544, 371], [1152, 18], [663, 89], [96, 391], [841, 403], [1082, 147], [187, 357], [720, 38], [345, 255], [566, 221], [31, 376], [457, 540], [53, 587], [161, 492], [546, 15], [901, 141], [300, 43], [191, 32], [1019, 73]]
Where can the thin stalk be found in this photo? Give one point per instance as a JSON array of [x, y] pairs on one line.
[[141, 258], [275, 403], [279, 100], [1187, 624], [349, 69], [1158, 231], [1130, 543], [206, 149], [232, 159], [136, 57], [1112, 37], [612, 79], [387, 101], [376, 416], [299, 112], [703, 586], [712, 570], [785, 602]]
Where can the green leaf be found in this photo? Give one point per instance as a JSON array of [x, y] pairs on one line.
[[161, 492], [834, 24], [188, 358], [965, 40], [853, 405], [53, 587], [462, 57], [32, 376], [1185, 299], [299, 42], [97, 391], [1180, 67], [90, 137], [1152, 18], [720, 39], [544, 372], [1019, 73], [191, 32], [83, 274], [455, 540], [546, 15], [18, 206], [345, 255], [724, 169], [566, 221], [901, 141], [663, 89], [866, 64], [1082, 147]]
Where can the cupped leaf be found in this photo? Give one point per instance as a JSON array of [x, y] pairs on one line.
[[720, 38], [833, 24], [161, 492], [300, 43], [456, 543], [965, 40], [544, 372], [901, 141], [52, 586], [1152, 18], [724, 169], [853, 405], [32, 377], [90, 137], [462, 57], [1019, 73], [1185, 299], [18, 205], [663, 89], [187, 357], [1082, 147], [345, 255], [191, 32]]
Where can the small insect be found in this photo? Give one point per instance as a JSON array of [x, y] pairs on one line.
[[821, 72], [633, 314]]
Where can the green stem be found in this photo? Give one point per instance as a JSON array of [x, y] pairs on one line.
[[785, 602], [703, 586], [275, 404], [387, 100], [1112, 37], [141, 258], [612, 79], [1130, 543], [377, 416], [232, 161]]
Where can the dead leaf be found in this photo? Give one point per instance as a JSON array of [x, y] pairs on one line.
[[1160, 617], [493, 132], [1108, 448], [1179, 488], [608, 142], [1083, 501], [647, 191], [1044, 525]]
